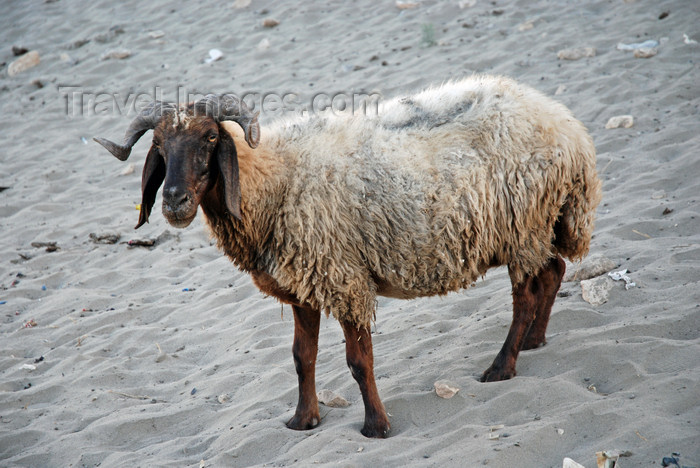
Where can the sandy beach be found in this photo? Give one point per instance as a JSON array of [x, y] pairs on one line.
[[114, 354]]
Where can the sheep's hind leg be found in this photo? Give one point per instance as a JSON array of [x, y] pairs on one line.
[[304, 350], [526, 298], [550, 276], [358, 349]]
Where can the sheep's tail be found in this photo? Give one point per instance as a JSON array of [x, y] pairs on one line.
[[574, 226]]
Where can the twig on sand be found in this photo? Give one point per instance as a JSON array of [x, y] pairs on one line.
[[606, 166], [641, 234], [135, 397]]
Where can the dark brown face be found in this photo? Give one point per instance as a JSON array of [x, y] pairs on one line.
[[187, 145], [191, 154]]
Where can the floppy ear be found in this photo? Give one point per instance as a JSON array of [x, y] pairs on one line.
[[151, 180], [227, 158]]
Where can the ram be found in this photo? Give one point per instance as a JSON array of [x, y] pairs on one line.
[[328, 212]]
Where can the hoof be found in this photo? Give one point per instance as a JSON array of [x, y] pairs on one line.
[[376, 431], [303, 423], [497, 374]]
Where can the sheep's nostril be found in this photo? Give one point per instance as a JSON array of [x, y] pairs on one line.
[[175, 197]]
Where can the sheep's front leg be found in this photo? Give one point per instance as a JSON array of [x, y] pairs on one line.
[[360, 359], [304, 350], [526, 298]]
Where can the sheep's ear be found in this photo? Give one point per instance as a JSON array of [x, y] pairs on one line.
[[151, 180], [227, 158]]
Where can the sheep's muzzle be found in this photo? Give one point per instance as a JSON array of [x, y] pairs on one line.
[[179, 207]]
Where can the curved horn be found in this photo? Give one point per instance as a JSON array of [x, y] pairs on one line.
[[146, 120], [229, 107]]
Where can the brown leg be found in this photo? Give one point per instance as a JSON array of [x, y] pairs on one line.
[[550, 276], [526, 298], [358, 350], [304, 350]]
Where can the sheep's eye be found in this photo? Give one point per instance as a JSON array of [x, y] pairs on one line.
[[212, 138]]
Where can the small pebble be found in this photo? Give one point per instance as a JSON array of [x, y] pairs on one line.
[[576, 54], [17, 51], [113, 32], [117, 54], [526, 26], [270, 23], [645, 52], [78, 44], [264, 45], [24, 62], [332, 399], [106, 238], [68, 59], [141, 243], [620, 121]]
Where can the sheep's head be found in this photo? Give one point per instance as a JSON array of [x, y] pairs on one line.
[[189, 154]]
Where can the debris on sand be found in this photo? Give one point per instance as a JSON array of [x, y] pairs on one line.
[[24, 62], [620, 121], [270, 23], [596, 291], [332, 399], [576, 54], [445, 389]]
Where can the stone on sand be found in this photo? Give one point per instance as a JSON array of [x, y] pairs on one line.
[[445, 389], [590, 267], [620, 121], [332, 399], [24, 62], [576, 54], [596, 291]]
